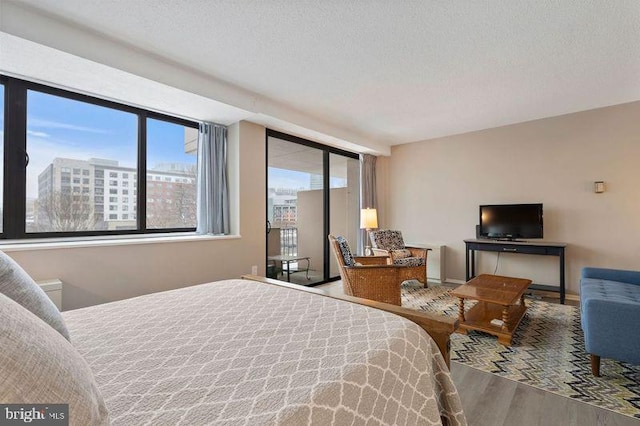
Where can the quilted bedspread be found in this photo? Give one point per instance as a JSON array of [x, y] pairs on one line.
[[240, 352]]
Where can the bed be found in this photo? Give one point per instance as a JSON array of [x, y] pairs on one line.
[[258, 351]]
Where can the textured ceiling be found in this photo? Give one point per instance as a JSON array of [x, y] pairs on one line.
[[392, 71]]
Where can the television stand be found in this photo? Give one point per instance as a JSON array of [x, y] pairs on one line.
[[523, 247]]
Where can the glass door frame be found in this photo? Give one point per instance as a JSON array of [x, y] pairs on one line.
[[326, 151]]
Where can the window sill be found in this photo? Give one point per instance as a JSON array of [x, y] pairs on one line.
[[106, 241]]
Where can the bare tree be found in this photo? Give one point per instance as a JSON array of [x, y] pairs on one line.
[[184, 204], [61, 211], [176, 208]]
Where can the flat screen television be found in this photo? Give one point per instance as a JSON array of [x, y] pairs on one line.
[[511, 221]]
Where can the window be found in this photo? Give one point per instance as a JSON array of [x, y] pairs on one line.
[[125, 199], [125, 192], [62, 130], [74, 143], [125, 216], [125, 208], [168, 152], [113, 199], [113, 208], [113, 217], [113, 191]]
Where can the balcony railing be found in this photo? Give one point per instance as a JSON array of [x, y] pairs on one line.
[[289, 241]]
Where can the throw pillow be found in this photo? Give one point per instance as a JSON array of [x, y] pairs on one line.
[[16, 284], [39, 366], [345, 251]]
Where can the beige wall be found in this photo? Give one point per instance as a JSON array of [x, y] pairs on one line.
[[435, 188], [93, 275]]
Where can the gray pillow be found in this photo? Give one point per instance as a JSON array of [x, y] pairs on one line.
[[38, 366], [16, 284]]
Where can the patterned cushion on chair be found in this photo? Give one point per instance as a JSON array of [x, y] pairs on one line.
[[345, 251], [387, 240], [410, 261], [400, 254]]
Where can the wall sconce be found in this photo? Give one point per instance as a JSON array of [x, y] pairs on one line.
[[598, 187]]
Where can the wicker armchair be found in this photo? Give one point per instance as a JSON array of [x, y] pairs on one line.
[[390, 243], [369, 277]]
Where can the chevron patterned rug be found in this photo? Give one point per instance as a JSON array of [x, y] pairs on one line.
[[547, 352]]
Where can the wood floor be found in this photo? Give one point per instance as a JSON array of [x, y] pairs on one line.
[[491, 400]]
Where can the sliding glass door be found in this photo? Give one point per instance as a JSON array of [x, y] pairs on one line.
[[312, 190]]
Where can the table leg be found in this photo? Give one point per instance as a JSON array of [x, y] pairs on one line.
[[522, 301], [467, 263], [562, 289], [308, 266], [506, 318], [473, 263], [288, 270], [461, 310]]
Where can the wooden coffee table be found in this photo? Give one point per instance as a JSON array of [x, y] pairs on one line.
[[500, 298]]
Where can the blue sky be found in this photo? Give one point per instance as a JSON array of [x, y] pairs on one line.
[[60, 127]]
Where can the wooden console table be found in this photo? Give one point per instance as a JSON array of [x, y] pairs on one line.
[[523, 247]]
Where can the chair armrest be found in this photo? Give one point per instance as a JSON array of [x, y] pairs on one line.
[[379, 252], [619, 275], [418, 251], [372, 260], [382, 266]]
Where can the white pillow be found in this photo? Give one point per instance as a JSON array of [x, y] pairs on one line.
[[16, 284], [39, 366]]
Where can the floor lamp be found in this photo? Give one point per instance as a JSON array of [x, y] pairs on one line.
[[368, 221]]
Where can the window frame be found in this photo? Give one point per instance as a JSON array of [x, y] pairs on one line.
[[16, 160]]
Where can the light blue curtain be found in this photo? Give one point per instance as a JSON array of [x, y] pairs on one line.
[[213, 188], [368, 198]]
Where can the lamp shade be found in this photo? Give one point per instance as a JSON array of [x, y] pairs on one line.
[[368, 218]]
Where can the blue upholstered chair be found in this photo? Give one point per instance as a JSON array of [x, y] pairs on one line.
[[610, 307]]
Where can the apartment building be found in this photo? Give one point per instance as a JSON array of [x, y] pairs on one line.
[[100, 194]]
